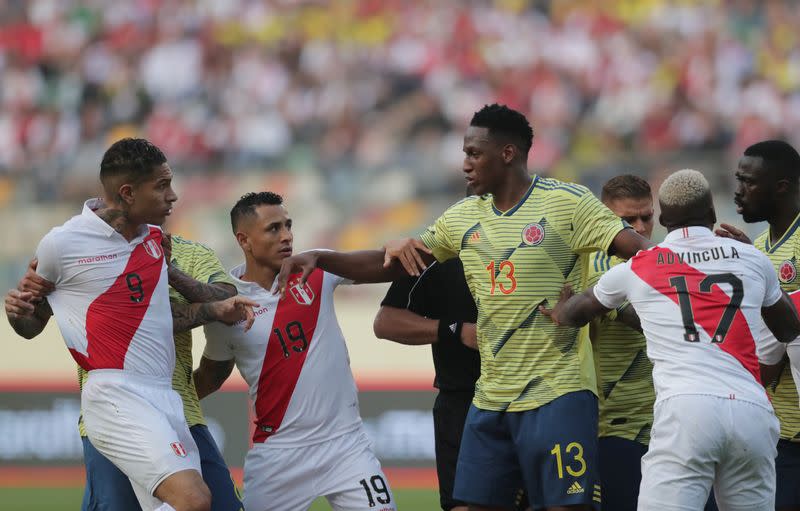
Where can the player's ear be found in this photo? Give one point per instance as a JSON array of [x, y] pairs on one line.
[[661, 220], [243, 241], [126, 194], [509, 152], [782, 185]]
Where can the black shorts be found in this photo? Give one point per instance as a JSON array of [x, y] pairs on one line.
[[787, 468], [449, 414]]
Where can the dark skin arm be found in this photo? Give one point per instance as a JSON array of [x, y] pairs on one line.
[[627, 243], [575, 310], [781, 318], [405, 327], [210, 375], [770, 373], [629, 317]]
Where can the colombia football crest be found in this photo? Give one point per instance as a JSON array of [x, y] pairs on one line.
[[787, 271], [533, 234], [302, 293]]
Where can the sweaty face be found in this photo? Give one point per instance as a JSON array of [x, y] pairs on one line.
[[153, 197], [483, 163], [755, 190], [637, 212], [267, 235]]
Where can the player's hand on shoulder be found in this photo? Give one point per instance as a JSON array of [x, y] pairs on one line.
[[555, 313], [734, 233], [304, 262], [469, 335], [35, 284], [19, 304], [407, 251], [234, 309], [166, 246]]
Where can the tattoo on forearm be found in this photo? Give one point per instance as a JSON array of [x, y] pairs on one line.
[[187, 316], [196, 291]]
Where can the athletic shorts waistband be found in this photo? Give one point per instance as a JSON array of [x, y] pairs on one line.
[[122, 376]]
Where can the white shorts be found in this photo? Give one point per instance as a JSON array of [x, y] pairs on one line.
[[140, 427], [344, 470], [700, 441]]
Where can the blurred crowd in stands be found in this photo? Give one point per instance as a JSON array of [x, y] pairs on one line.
[[352, 87]]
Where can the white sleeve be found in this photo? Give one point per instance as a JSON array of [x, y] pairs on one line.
[[49, 265], [218, 346], [612, 288], [769, 350], [772, 291]]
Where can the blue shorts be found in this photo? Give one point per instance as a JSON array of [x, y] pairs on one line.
[[620, 472], [787, 469], [551, 452], [108, 489]]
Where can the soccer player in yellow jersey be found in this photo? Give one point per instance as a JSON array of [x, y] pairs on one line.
[[195, 275], [768, 190], [625, 374], [533, 422]]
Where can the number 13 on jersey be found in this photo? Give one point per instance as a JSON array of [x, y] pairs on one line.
[[502, 277]]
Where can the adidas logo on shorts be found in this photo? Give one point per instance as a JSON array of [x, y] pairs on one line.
[[575, 488]]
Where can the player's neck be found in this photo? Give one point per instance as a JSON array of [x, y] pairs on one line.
[[780, 223], [118, 219], [509, 193], [258, 274]]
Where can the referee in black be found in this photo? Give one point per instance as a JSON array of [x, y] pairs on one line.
[[437, 308]]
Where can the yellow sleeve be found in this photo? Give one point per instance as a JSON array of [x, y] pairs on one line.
[[207, 267], [594, 225], [440, 238]]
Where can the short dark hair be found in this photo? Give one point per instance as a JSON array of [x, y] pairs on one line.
[[247, 203], [135, 158], [626, 186], [504, 122], [779, 157]]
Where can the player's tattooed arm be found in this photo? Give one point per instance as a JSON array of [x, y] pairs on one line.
[[574, 310], [210, 376], [196, 291], [230, 311]]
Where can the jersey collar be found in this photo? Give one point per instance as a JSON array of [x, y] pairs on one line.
[[244, 285], [694, 231], [788, 234], [518, 204], [97, 223]]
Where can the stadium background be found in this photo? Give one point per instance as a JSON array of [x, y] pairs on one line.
[[354, 111]]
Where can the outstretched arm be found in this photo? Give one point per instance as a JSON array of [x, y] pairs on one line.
[[398, 259], [196, 291], [406, 327], [574, 310], [627, 243], [210, 376], [232, 310]]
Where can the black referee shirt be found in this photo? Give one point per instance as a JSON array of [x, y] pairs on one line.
[[442, 292]]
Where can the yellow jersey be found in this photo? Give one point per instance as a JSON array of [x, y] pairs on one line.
[[515, 261], [784, 254], [624, 373]]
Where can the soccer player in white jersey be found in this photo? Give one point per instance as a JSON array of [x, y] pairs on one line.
[[308, 440], [111, 303], [700, 299]]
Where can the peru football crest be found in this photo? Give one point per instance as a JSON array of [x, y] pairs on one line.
[[152, 248], [787, 271], [533, 234], [178, 449], [302, 293]]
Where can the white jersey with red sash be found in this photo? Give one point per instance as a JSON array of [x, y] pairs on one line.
[[699, 298], [295, 362], [111, 298]]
